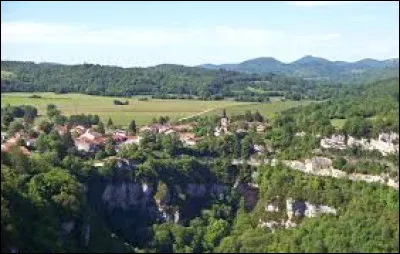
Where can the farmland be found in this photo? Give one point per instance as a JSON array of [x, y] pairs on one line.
[[142, 111]]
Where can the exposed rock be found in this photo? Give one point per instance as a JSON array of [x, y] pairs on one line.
[[68, 227], [87, 235], [271, 208], [316, 166], [196, 190], [386, 143], [122, 195], [300, 134], [217, 190], [302, 208], [335, 141]]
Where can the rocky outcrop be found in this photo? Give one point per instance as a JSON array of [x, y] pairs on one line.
[[87, 235], [305, 209], [68, 227], [122, 195], [386, 143], [322, 166], [294, 208]]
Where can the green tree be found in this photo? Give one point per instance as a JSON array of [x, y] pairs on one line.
[[100, 127], [52, 111], [110, 123], [15, 126], [132, 126]]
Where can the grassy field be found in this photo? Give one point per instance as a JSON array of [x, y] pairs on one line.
[[142, 111], [338, 123], [266, 109]]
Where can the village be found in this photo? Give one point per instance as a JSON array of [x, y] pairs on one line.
[[89, 140]]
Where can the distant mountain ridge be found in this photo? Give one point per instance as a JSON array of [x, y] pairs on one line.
[[313, 67]]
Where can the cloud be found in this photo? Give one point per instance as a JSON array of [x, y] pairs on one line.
[[30, 32], [319, 3], [43, 33]]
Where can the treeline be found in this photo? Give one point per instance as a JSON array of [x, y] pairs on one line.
[[160, 81]]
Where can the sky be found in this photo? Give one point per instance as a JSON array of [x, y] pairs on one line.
[[131, 34]]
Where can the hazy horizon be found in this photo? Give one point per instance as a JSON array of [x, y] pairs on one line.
[[143, 34]]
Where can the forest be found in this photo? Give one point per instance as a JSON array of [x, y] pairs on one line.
[[162, 81]]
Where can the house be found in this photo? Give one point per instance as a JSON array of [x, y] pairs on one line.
[[260, 128], [119, 136], [182, 127], [170, 131], [78, 129], [225, 123], [30, 142], [61, 129], [155, 128], [132, 140], [188, 138], [3, 136], [6, 147], [90, 141]]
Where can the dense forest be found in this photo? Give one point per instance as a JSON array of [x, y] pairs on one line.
[[162, 81]]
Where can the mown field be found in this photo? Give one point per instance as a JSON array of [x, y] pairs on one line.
[[142, 111], [266, 109]]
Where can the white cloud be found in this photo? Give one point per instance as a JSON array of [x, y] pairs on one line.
[[319, 3], [29, 32], [42, 33]]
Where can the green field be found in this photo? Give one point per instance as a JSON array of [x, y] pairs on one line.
[[338, 123], [142, 111], [266, 109]]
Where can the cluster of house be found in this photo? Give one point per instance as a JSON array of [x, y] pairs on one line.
[[225, 122], [8, 143], [184, 131], [88, 140]]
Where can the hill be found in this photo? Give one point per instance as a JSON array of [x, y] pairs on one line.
[[311, 67], [162, 81]]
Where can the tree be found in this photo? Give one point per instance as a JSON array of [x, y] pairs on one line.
[[247, 147], [15, 126], [132, 126], [100, 127], [110, 123], [52, 111], [215, 232], [248, 116], [258, 117], [109, 148]]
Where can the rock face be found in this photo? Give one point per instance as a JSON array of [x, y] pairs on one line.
[[386, 143], [317, 166], [126, 194], [87, 235], [271, 208], [122, 195], [68, 227], [295, 208], [323, 167]]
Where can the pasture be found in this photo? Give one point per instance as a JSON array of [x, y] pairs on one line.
[[142, 111]]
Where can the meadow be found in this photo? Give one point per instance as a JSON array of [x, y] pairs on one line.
[[142, 111]]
